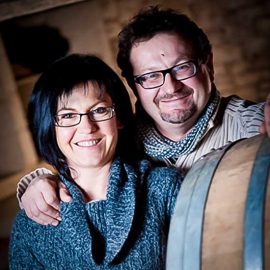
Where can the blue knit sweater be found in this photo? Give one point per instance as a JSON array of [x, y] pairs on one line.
[[128, 230]]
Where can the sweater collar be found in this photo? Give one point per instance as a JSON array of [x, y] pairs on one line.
[[120, 206]]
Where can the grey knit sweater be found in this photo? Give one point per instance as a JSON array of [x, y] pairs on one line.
[[128, 230]]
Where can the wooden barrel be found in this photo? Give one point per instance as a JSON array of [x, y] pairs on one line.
[[222, 214]]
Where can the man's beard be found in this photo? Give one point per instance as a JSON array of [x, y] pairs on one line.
[[178, 116]]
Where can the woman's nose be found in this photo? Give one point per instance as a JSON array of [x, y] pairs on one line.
[[87, 124]]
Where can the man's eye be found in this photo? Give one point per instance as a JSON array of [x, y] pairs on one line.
[[151, 76], [182, 68]]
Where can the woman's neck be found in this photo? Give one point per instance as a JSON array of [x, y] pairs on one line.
[[93, 182]]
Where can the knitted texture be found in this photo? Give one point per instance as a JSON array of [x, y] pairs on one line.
[[128, 230], [159, 147]]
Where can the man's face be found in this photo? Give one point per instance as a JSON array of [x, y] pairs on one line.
[[176, 103]]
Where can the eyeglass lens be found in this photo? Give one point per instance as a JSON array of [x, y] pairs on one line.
[[72, 119], [155, 79]]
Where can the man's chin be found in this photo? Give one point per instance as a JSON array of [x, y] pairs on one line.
[[177, 117]]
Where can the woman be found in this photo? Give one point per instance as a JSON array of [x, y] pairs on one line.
[[82, 122]]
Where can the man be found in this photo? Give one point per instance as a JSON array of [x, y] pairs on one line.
[[167, 61], [181, 99]]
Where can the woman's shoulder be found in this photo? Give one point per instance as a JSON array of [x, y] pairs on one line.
[[25, 227], [160, 185], [159, 175]]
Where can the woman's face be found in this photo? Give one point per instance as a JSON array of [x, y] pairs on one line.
[[87, 144]]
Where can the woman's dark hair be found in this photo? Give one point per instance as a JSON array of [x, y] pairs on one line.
[[60, 80], [150, 21]]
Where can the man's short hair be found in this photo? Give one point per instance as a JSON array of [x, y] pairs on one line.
[[152, 20]]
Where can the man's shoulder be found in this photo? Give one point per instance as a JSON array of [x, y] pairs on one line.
[[236, 108], [234, 102]]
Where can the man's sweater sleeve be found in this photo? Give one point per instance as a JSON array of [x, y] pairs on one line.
[[27, 179]]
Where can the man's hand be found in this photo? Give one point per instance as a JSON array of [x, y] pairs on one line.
[[41, 202], [265, 127]]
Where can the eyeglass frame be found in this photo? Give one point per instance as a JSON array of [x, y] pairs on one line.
[[166, 71], [89, 114]]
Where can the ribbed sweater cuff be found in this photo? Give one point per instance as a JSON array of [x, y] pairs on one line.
[[27, 179]]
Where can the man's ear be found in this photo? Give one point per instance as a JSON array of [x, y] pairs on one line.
[[210, 66]]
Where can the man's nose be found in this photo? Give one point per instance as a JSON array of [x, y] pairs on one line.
[[171, 85]]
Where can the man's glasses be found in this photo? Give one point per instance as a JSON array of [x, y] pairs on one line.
[[179, 72], [97, 115]]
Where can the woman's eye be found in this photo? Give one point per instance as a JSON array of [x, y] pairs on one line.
[[68, 116], [99, 110]]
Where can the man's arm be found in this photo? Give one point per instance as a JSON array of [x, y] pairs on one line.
[[38, 193], [27, 179]]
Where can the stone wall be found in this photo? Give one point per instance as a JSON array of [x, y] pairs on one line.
[[239, 31]]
